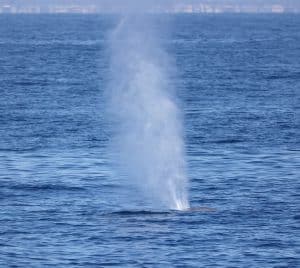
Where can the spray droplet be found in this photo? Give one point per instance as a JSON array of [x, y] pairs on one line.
[[148, 140]]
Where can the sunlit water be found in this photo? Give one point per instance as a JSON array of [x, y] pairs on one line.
[[62, 202]]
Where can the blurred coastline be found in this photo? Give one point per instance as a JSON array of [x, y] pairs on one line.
[[94, 7]]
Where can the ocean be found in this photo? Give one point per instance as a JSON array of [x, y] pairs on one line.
[[63, 205]]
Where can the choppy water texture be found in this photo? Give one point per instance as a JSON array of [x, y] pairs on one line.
[[61, 204]]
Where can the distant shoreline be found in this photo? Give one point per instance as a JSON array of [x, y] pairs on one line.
[[152, 13]]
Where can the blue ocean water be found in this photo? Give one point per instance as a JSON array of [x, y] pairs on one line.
[[61, 204]]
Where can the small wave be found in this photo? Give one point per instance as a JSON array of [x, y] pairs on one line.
[[52, 42], [297, 217], [45, 187], [283, 76], [200, 209], [20, 150], [228, 141], [31, 83]]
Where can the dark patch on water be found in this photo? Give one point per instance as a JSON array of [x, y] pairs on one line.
[[140, 213]]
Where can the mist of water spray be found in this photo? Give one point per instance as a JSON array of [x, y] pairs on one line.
[[148, 126]]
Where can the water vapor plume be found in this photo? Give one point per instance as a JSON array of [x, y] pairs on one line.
[[148, 137]]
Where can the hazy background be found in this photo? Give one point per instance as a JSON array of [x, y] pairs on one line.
[[113, 2], [170, 6]]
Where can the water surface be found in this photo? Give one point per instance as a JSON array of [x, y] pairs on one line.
[[61, 202]]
